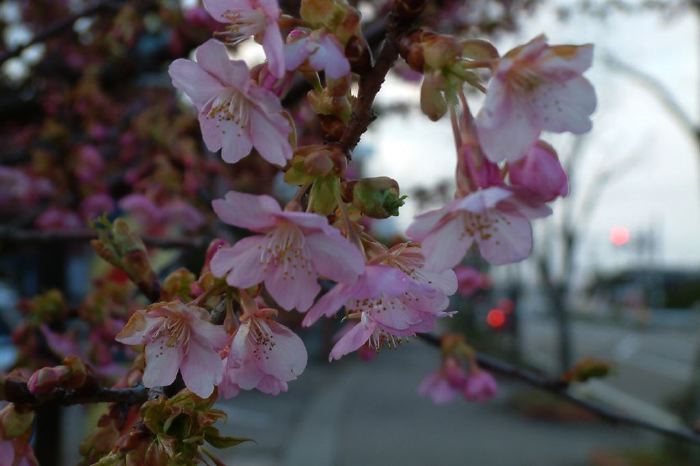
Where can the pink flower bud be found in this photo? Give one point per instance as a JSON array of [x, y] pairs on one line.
[[46, 379], [480, 386], [95, 205], [454, 373], [90, 163], [470, 280], [183, 214], [269, 81], [539, 174]]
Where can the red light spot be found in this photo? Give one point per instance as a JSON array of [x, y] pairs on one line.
[[619, 236], [496, 318]]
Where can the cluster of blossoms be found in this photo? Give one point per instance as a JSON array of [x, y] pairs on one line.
[[387, 294], [221, 332], [452, 380]]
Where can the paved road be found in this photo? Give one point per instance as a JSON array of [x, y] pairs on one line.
[[363, 414]]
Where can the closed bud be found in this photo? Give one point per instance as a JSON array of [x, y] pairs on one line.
[[439, 50], [411, 50], [348, 25], [359, 55], [178, 284], [539, 175], [377, 197], [46, 379], [318, 163], [332, 126], [278, 86], [432, 98]]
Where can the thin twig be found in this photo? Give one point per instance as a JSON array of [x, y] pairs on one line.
[[658, 90], [18, 393], [59, 27], [560, 389], [22, 236], [371, 83]]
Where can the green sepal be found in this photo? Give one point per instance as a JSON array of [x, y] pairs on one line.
[[216, 440], [324, 195]]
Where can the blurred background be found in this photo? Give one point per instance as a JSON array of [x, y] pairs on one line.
[[90, 123]]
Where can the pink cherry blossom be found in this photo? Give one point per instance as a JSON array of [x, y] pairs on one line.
[[177, 337], [290, 254], [535, 88], [444, 384], [409, 258], [538, 175], [183, 214], [389, 305], [264, 355], [16, 187], [480, 386], [61, 344], [90, 165], [321, 49], [235, 114], [470, 280], [278, 86], [249, 18], [493, 218], [56, 219], [95, 205], [143, 209]]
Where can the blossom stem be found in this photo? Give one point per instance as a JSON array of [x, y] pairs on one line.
[[352, 234]]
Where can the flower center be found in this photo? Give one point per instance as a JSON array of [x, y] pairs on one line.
[[177, 331], [263, 341], [230, 105], [244, 23], [524, 79], [286, 248], [481, 225]]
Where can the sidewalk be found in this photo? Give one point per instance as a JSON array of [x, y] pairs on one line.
[[353, 413]]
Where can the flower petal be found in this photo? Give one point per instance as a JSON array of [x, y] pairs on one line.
[[288, 358], [446, 246], [201, 368], [514, 119], [241, 262], [564, 106], [273, 44], [194, 81], [293, 285], [269, 133], [352, 340], [235, 141], [213, 57], [510, 240], [328, 304], [247, 210], [335, 257], [162, 363]]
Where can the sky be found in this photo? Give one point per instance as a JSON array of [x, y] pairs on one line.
[[657, 188]]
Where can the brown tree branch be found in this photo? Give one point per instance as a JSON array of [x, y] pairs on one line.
[[23, 236], [17, 392], [371, 83], [560, 389]]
